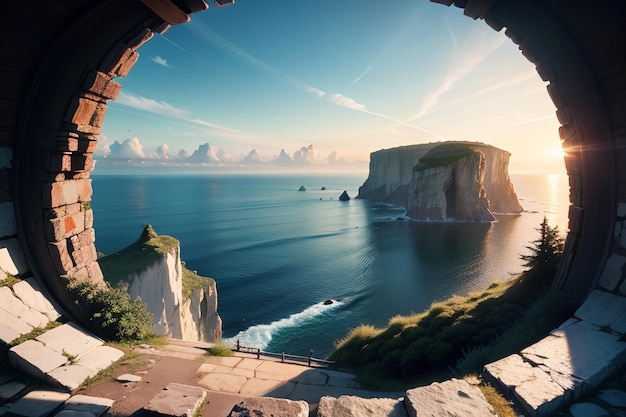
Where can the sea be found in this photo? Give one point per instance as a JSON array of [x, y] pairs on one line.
[[279, 255]]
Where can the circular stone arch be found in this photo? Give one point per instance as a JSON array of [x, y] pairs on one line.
[[59, 62]]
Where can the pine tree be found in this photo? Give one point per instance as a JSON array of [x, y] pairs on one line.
[[547, 249]]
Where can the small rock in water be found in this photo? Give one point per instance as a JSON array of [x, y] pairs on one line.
[[302, 188], [328, 302], [344, 196]]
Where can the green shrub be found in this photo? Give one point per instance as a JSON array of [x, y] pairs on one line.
[[113, 314], [219, 350]]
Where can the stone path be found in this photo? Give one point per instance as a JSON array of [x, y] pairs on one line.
[[570, 362]]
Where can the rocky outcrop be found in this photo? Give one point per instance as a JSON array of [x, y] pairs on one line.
[[154, 272], [344, 196], [463, 181]]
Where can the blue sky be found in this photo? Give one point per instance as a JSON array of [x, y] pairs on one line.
[[350, 76]]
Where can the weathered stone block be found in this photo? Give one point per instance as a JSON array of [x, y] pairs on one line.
[[95, 273], [61, 256], [71, 339], [178, 400], [12, 259], [60, 193], [271, 407], [352, 406], [602, 308], [38, 403], [35, 358], [454, 398], [85, 190], [29, 292], [67, 142], [82, 403], [60, 162], [126, 63], [102, 84], [612, 273]]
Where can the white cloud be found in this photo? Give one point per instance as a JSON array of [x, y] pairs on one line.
[[129, 149], [161, 61], [344, 101], [469, 56], [150, 105], [163, 151]]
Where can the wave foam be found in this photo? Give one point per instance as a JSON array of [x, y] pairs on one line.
[[260, 336]]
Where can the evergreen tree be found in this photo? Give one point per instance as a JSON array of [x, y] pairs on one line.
[[547, 249]]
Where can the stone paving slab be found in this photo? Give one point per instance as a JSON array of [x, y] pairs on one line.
[[100, 358], [29, 292], [13, 323], [602, 308], [209, 368], [38, 403], [267, 388], [452, 398], [35, 359], [223, 383], [97, 406], [7, 335], [579, 352], [351, 406], [270, 407], [176, 400], [71, 339], [534, 389], [71, 377], [11, 389], [14, 306]]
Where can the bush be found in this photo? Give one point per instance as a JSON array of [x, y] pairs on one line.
[[113, 314]]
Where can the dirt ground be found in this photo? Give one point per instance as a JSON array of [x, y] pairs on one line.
[[156, 372]]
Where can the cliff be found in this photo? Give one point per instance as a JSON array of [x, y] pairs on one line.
[[183, 303], [464, 181]]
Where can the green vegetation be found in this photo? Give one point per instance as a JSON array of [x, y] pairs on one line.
[[445, 154], [192, 281], [466, 332], [219, 350], [137, 257], [114, 315], [34, 333], [9, 281]]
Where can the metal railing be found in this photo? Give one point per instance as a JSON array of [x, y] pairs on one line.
[[286, 357]]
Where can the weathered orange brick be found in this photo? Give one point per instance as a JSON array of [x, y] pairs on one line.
[[59, 193], [95, 274], [60, 162], [125, 64], [84, 189], [60, 256]]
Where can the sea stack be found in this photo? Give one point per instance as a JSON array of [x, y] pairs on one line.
[[443, 181], [302, 188], [344, 196]]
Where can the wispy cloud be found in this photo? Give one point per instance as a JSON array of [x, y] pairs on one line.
[[150, 105], [175, 44], [467, 58], [530, 120], [400, 34], [161, 61], [208, 35]]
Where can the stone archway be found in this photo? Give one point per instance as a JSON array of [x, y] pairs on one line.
[[59, 66]]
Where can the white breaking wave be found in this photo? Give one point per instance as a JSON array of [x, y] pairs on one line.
[[259, 336]]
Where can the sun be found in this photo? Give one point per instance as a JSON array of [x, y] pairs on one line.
[[557, 152]]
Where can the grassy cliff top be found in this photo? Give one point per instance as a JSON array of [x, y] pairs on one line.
[[137, 256], [446, 154]]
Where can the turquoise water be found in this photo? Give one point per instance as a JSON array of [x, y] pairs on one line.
[[277, 254]]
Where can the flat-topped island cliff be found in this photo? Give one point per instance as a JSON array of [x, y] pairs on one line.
[[443, 181]]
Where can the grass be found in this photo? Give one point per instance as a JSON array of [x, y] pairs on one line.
[[501, 407], [463, 331], [445, 154], [192, 281], [219, 350], [9, 281], [34, 333], [136, 257]]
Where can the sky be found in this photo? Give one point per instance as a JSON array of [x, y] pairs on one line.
[[345, 78]]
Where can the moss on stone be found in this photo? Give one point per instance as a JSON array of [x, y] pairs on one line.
[[192, 281]]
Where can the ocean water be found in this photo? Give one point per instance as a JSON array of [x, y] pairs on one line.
[[277, 254]]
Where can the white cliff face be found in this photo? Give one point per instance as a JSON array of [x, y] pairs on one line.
[[200, 320], [160, 287], [451, 192], [484, 184]]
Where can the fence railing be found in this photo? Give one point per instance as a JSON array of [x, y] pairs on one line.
[[286, 357]]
